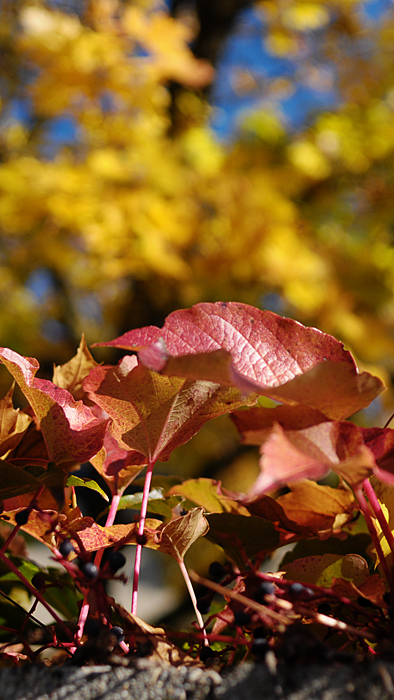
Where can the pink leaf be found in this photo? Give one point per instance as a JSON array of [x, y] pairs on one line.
[[288, 456], [71, 431], [256, 351]]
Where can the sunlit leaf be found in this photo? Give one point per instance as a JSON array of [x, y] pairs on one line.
[[179, 534], [257, 351], [318, 507], [87, 483], [152, 414], [71, 375]]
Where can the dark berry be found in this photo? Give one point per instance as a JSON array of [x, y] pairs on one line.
[[216, 570], [38, 581], [116, 560], [260, 647], [260, 632], [204, 605], [89, 570], [118, 634], [298, 590], [241, 618], [66, 547], [206, 653], [92, 627], [324, 608], [22, 517], [141, 539], [265, 588]]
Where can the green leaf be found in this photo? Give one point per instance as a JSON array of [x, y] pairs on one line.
[[158, 503], [73, 480]]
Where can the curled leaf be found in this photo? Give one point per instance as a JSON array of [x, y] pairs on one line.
[[70, 429]]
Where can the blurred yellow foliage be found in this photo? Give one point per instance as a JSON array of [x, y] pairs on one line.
[[133, 204]]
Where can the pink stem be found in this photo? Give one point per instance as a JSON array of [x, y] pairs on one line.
[[83, 616], [374, 535], [32, 590], [377, 509], [193, 598], [110, 521], [138, 551], [84, 612]]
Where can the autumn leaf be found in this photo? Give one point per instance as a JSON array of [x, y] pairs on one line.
[[257, 352], [288, 456], [316, 506], [116, 465], [270, 509], [372, 589], [70, 376], [13, 423], [152, 414], [254, 424], [175, 537], [381, 443], [70, 429], [18, 484]]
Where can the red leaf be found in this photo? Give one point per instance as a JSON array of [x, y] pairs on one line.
[[117, 466], [256, 351], [153, 414], [289, 456], [71, 431], [381, 443]]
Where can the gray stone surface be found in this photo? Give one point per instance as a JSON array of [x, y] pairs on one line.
[[147, 680]]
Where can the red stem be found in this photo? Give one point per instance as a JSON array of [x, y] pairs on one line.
[[374, 535], [138, 551], [110, 521]]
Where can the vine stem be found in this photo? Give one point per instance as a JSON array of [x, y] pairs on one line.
[[374, 535], [138, 551], [84, 612], [193, 598], [110, 521]]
